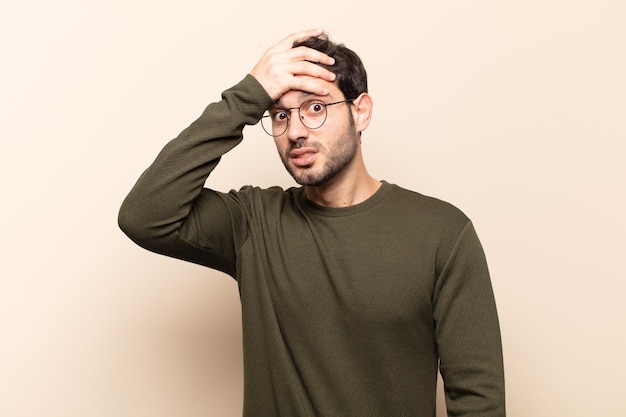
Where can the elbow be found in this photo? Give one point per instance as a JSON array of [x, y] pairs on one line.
[[133, 224], [145, 227], [126, 224]]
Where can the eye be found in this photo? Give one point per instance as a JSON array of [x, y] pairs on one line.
[[314, 107], [279, 116]]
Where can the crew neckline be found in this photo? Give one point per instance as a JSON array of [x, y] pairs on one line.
[[373, 200]]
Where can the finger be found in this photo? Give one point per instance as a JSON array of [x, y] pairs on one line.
[[286, 45], [305, 68], [302, 36], [310, 85], [302, 53]]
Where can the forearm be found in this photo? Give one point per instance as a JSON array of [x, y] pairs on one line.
[[163, 197]]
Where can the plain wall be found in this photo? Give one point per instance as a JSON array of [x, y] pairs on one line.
[[513, 111]]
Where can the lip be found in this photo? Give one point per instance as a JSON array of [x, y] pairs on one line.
[[303, 156]]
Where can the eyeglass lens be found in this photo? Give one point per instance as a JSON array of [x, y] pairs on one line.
[[312, 114]]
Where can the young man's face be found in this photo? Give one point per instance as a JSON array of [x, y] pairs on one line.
[[314, 156]]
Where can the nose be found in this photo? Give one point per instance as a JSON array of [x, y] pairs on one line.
[[296, 129]]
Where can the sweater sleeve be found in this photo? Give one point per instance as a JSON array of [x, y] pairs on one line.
[[468, 333], [169, 211]]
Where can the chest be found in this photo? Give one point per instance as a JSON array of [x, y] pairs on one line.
[[374, 272]]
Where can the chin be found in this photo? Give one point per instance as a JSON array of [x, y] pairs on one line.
[[313, 179]]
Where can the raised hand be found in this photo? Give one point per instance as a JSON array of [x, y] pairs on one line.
[[283, 68]]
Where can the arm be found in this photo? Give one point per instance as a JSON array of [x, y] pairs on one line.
[[166, 194], [168, 211], [468, 334]]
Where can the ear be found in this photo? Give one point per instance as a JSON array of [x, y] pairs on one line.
[[362, 111]]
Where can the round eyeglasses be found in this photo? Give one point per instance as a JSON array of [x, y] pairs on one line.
[[311, 113]]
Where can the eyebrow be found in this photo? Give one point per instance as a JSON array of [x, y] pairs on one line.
[[303, 96]]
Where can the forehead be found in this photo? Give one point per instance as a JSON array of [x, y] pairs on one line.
[[293, 98]]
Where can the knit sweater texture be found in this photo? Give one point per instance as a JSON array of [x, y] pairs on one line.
[[346, 312]]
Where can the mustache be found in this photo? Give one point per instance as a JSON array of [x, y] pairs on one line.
[[302, 143]]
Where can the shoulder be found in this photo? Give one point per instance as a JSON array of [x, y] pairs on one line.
[[429, 220], [429, 208]]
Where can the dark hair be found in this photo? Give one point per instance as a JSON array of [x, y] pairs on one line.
[[351, 75]]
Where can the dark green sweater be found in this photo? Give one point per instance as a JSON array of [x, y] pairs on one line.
[[346, 311]]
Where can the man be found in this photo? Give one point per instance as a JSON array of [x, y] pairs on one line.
[[353, 290]]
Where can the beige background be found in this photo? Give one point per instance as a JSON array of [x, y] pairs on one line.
[[513, 111]]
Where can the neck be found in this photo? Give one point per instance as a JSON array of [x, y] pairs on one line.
[[344, 190]]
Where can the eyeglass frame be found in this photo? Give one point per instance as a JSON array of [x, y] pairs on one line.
[[289, 110]]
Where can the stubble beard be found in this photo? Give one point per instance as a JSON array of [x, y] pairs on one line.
[[340, 155]]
